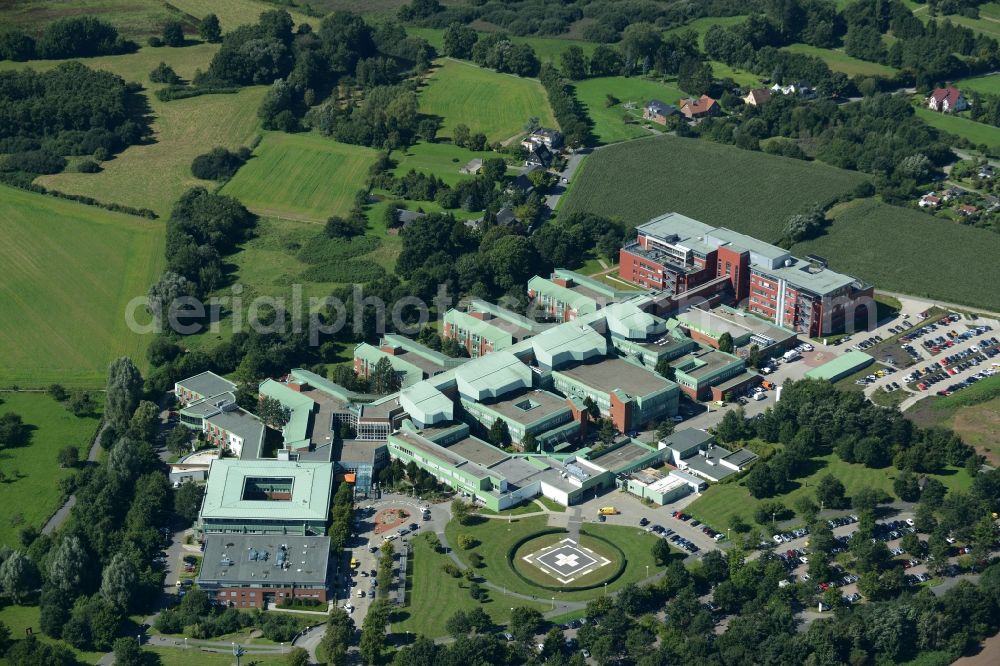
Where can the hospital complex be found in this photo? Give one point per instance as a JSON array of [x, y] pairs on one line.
[[591, 352]]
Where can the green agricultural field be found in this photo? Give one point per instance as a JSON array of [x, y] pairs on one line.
[[69, 272], [989, 84], [915, 241], [234, 13], [437, 159], [434, 596], [609, 123], [133, 18], [750, 192], [301, 177], [961, 126], [496, 536], [722, 501], [33, 493], [498, 105]]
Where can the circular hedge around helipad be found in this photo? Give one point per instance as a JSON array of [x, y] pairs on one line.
[[534, 576]]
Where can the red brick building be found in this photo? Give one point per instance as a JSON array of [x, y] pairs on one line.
[[252, 571], [675, 253]]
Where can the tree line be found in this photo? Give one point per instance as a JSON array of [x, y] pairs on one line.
[[602, 21], [74, 37]]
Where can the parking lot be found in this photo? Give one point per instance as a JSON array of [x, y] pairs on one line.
[[632, 510], [793, 550], [967, 348]]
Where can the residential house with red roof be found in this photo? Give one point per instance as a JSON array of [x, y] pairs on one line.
[[947, 100]]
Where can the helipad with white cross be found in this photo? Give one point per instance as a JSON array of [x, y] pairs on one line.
[[566, 560]]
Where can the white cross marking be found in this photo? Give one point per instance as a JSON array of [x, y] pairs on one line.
[[563, 560]]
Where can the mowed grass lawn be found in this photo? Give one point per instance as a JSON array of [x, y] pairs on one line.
[[496, 536], [69, 270], [154, 175], [498, 105], [443, 160], [179, 657], [841, 62], [979, 133], [750, 192], [904, 250], [434, 596], [609, 121], [301, 176], [722, 501], [34, 494]]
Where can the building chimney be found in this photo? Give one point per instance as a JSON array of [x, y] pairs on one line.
[[562, 282]]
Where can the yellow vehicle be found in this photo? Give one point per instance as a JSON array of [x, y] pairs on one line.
[[354, 563], [608, 511]]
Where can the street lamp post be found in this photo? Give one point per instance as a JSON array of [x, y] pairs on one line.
[[553, 603], [605, 588], [647, 571]]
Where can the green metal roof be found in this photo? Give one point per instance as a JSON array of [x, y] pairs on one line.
[[841, 366], [426, 404], [590, 283], [494, 332], [573, 299], [311, 487], [300, 406], [477, 305], [323, 384], [492, 375], [567, 342], [371, 354]]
